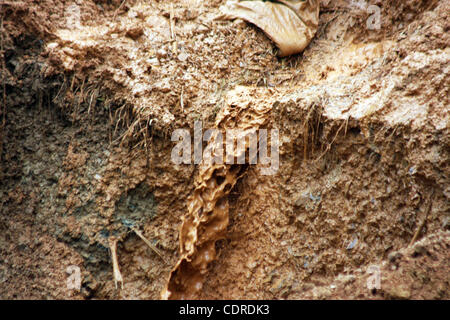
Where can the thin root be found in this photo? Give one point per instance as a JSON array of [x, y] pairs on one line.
[[116, 272], [422, 224], [148, 243]]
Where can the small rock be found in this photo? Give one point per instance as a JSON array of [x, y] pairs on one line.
[[419, 250], [153, 61], [352, 244], [190, 14], [202, 29], [346, 278], [321, 293], [161, 53], [132, 14], [135, 33], [182, 57], [300, 202], [129, 245], [314, 198], [252, 264], [277, 286], [239, 22], [399, 292], [209, 40], [163, 86], [281, 286], [446, 223], [393, 256], [52, 45]]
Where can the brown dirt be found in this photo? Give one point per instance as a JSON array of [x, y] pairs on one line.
[[87, 115]]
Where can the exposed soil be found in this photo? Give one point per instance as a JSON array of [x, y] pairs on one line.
[[87, 113]]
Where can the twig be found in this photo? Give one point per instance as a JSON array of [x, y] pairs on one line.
[[328, 147], [115, 12], [172, 35], [327, 23], [181, 99], [422, 224], [4, 94], [341, 9], [116, 271], [148, 243], [172, 29]]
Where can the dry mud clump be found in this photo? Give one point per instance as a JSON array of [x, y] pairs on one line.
[[88, 108]]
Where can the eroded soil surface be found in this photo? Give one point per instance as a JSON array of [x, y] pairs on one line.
[[88, 107]]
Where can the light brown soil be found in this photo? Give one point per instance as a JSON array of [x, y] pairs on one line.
[[87, 115]]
